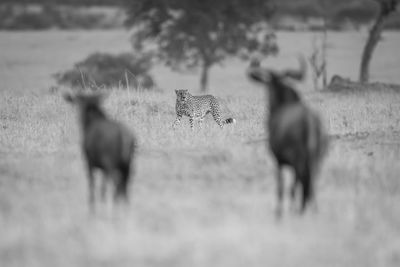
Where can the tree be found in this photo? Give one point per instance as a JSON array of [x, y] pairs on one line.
[[193, 33], [386, 8]]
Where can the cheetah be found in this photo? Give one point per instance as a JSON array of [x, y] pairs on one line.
[[197, 107]]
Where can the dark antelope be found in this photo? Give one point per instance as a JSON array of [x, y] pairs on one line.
[[107, 145], [296, 136]]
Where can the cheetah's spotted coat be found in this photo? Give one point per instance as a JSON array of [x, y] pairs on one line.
[[197, 107]]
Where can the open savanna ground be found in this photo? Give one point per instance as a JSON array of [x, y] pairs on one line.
[[202, 198]]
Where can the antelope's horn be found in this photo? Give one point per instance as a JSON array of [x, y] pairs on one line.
[[297, 74]]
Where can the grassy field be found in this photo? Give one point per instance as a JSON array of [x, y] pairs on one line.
[[203, 198]]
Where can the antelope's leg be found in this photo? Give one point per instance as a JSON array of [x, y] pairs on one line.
[[91, 185], [279, 192]]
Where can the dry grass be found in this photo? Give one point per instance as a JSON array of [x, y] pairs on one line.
[[203, 198]]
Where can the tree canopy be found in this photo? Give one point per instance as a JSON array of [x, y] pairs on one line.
[[192, 33]]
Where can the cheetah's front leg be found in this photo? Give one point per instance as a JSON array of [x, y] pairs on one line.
[[201, 122], [177, 121], [191, 119]]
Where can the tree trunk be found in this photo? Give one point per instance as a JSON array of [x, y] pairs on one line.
[[374, 36], [204, 77], [373, 39]]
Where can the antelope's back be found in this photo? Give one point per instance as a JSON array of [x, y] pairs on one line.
[[295, 131], [108, 143]]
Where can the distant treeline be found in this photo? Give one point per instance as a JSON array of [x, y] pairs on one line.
[[47, 16], [338, 13], [89, 14], [67, 2]]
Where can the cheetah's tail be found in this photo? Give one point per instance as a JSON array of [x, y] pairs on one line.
[[229, 121]]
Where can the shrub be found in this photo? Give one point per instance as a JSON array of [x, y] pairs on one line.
[[106, 70]]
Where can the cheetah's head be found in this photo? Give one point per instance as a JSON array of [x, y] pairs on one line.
[[182, 95]]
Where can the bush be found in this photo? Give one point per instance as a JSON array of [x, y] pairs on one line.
[[106, 70]]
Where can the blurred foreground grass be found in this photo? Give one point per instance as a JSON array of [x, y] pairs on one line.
[[202, 198]]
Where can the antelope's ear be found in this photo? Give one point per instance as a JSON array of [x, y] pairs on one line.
[[69, 98], [299, 74], [99, 97], [258, 74]]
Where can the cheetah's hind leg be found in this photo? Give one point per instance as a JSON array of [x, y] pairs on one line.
[[217, 119]]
